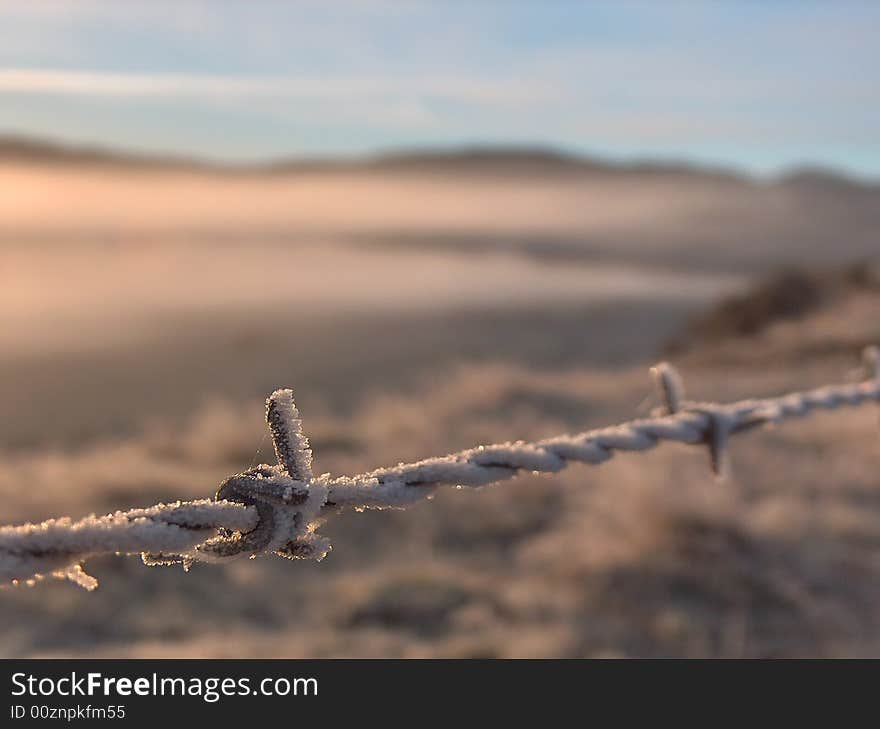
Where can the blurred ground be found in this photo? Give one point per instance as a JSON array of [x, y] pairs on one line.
[[145, 314]]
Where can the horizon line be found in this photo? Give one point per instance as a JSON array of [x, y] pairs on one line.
[[85, 151]]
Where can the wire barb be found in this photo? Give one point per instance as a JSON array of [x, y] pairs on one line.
[[670, 390], [871, 362], [669, 386], [277, 508], [283, 495], [291, 446]]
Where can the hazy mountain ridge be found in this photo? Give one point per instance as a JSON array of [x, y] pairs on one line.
[[467, 159]]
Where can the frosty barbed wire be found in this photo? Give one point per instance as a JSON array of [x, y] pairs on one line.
[[278, 508]]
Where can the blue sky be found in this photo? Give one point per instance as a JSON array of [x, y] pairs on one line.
[[760, 86]]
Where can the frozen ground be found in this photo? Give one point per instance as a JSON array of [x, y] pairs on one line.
[[133, 364]]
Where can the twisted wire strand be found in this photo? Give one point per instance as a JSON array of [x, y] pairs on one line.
[[56, 546], [698, 423], [278, 508]]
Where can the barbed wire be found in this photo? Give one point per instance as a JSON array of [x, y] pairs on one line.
[[278, 508]]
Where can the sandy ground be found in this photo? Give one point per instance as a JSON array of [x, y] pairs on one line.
[[143, 318]]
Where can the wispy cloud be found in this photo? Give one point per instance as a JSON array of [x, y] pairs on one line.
[[103, 83]]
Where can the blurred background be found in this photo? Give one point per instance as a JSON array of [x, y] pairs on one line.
[[444, 224]]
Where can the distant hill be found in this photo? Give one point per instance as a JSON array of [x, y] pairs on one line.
[[792, 293], [821, 180], [473, 160], [26, 149], [470, 160]]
